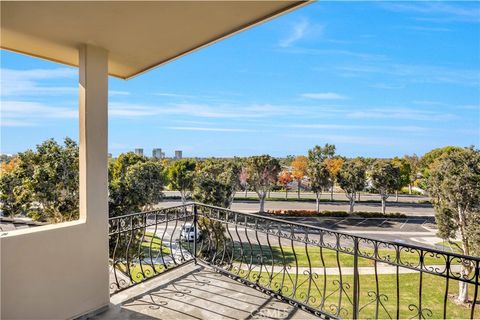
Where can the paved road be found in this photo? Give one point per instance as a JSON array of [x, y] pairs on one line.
[[405, 208], [414, 230], [410, 209], [310, 195]]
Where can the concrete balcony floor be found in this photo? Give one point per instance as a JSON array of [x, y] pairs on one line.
[[197, 292]]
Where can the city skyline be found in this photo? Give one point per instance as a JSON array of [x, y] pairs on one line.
[[323, 74]]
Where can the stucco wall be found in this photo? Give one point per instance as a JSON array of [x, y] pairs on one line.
[[54, 272]]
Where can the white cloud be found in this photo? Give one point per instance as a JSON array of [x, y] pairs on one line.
[[470, 107], [26, 113], [362, 127], [336, 52], [296, 33], [174, 95], [414, 73], [401, 114], [438, 11], [39, 74], [27, 82], [386, 86], [223, 111], [349, 139], [324, 96], [210, 129], [429, 29], [114, 93]]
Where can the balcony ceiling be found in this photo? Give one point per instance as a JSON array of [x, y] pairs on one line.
[[138, 35]]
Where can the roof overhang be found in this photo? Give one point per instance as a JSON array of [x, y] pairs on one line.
[[139, 35]]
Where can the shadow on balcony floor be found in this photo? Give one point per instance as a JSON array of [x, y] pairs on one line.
[[197, 292]]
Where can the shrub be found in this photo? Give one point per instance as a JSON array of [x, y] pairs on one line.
[[327, 213]]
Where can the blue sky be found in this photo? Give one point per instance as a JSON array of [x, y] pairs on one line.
[[375, 79]]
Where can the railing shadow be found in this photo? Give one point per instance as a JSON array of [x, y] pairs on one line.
[[326, 272]]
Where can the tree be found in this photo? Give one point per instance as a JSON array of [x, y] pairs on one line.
[[181, 176], [135, 184], [287, 161], [215, 244], [9, 182], [210, 190], [454, 185], [43, 183], [404, 174], [414, 162], [299, 171], [262, 175], [9, 165], [333, 166], [319, 180], [244, 179], [317, 170], [385, 178], [285, 178], [351, 178], [429, 158], [216, 182], [232, 170], [10, 187]]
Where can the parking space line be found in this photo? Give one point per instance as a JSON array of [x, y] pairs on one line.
[[406, 220], [382, 222], [339, 221], [360, 222], [425, 221]]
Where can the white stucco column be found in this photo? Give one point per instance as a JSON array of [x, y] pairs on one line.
[[93, 156], [93, 115]]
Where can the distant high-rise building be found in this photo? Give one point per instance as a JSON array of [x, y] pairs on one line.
[[178, 154], [139, 152], [157, 153]]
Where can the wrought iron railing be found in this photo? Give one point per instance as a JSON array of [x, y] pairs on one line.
[[146, 244], [328, 273]]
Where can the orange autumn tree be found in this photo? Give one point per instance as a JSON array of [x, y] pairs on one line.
[[299, 170], [284, 178], [333, 166], [7, 167]]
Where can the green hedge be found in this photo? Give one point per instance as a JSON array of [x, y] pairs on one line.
[[327, 213]]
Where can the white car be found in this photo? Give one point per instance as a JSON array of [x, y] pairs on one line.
[[189, 232]]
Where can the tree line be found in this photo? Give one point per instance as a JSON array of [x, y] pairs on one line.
[[43, 183]]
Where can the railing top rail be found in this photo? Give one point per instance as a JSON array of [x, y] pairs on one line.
[[188, 204], [311, 227]]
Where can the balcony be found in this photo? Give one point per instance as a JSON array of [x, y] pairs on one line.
[[199, 261], [241, 265]]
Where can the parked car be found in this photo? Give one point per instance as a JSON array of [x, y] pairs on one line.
[[189, 232]]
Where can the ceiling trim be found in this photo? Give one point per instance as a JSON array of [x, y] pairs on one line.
[[224, 36], [214, 40]]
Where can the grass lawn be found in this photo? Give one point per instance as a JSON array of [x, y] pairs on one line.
[[433, 290], [155, 242], [451, 247], [329, 256], [158, 249]]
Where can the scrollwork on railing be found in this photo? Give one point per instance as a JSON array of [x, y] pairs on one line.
[[312, 268], [143, 245], [328, 273]]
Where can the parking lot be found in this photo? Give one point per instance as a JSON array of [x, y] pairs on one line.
[[413, 224]]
